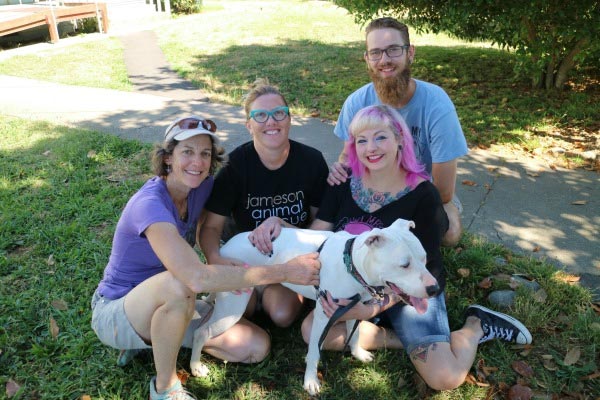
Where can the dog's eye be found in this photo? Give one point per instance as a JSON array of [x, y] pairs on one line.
[[405, 265]]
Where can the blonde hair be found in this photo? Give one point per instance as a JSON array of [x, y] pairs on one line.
[[384, 116], [260, 87]]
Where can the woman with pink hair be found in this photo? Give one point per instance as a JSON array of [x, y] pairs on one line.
[[386, 183]]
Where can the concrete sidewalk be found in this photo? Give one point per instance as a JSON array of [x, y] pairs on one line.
[[533, 210]]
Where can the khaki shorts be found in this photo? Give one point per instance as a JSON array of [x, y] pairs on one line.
[[112, 327]]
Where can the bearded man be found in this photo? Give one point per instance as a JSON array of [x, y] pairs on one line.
[[428, 111]]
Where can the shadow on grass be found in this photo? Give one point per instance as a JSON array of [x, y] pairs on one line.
[[494, 104]]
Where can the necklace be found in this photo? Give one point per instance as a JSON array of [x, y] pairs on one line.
[[182, 209], [370, 200]]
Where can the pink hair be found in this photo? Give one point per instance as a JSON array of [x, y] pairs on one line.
[[383, 116]]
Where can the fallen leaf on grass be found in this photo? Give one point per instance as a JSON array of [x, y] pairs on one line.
[[471, 379], [536, 249], [91, 154], [572, 356], [548, 362], [12, 388], [53, 328], [463, 272], [566, 278], [469, 183], [183, 376], [579, 203], [86, 397], [522, 368], [520, 392], [47, 153], [483, 371], [50, 260], [540, 296], [485, 283], [401, 382], [594, 375], [60, 305]]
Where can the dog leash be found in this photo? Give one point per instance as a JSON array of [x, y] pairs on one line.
[[337, 315], [353, 300]]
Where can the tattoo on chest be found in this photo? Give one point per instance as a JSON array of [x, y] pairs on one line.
[[370, 200]]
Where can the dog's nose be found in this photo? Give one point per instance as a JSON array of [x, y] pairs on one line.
[[432, 290]]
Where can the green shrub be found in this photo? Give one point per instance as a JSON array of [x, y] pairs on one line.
[[186, 6]]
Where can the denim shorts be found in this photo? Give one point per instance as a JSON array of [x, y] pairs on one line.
[[414, 329], [112, 327]]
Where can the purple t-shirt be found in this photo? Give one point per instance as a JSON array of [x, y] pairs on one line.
[[132, 259]]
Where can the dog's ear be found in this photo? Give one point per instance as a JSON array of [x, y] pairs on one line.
[[403, 223], [375, 240]]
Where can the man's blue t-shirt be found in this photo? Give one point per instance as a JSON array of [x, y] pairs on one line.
[[430, 116]]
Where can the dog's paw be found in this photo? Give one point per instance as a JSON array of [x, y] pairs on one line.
[[312, 386], [362, 354], [198, 369]]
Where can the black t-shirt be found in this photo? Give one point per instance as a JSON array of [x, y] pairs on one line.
[[422, 205], [250, 193]]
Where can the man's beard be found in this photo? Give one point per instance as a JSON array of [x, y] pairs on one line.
[[391, 90]]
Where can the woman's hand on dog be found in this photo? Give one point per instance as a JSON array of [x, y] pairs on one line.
[[262, 237], [360, 311], [303, 270]]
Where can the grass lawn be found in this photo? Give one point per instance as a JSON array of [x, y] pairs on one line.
[[62, 190]]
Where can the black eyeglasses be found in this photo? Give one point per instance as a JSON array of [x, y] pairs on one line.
[[278, 114], [392, 52]]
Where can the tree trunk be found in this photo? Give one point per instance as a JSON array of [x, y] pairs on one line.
[[568, 62]]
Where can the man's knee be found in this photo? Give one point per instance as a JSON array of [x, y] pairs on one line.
[[454, 232], [447, 381]]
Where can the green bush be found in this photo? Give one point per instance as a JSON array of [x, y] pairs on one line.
[[186, 6]]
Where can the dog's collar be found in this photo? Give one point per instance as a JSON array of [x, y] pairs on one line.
[[375, 291]]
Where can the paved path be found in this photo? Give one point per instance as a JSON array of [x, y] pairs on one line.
[[531, 209]]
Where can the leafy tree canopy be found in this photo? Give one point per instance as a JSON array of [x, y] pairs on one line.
[[551, 35]]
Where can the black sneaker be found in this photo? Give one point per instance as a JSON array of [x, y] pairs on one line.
[[499, 325]]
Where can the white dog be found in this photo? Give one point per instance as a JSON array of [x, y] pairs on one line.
[[391, 257]]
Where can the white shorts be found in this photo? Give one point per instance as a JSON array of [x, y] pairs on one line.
[[112, 327]]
